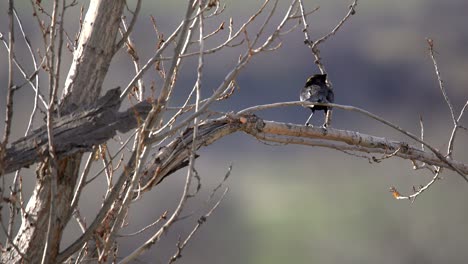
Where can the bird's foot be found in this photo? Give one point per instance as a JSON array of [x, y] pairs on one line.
[[308, 124], [325, 126]]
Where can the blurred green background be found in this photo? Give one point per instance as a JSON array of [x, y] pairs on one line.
[[297, 204]]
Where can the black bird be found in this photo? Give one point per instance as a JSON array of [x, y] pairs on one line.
[[317, 90]]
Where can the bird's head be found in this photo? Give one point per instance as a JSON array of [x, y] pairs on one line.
[[316, 79]]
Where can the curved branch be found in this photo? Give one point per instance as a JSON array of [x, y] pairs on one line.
[[94, 131], [175, 155], [439, 155]]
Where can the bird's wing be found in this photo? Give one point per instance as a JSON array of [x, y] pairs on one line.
[[330, 96], [305, 94], [312, 93]]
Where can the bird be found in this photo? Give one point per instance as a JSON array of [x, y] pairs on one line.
[[317, 90]]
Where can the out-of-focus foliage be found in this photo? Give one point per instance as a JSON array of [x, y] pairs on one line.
[[292, 204]]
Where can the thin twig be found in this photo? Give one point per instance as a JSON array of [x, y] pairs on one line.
[[314, 45], [36, 77], [201, 220], [226, 176], [53, 165], [352, 11], [162, 217], [10, 88], [421, 124], [430, 42], [151, 61], [27, 77], [128, 30], [190, 169], [142, 153], [82, 181], [108, 202], [417, 192], [124, 145], [245, 58], [131, 50], [454, 131], [8, 116], [152, 120], [231, 36], [107, 165]]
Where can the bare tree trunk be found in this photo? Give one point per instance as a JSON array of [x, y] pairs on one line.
[[93, 53], [81, 123], [91, 61]]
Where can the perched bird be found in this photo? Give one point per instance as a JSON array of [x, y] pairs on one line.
[[317, 90]]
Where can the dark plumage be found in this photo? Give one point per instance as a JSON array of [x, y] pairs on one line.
[[317, 90]]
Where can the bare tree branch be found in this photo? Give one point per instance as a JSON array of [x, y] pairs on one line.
[[200, 222], [167, 137], [25, 152], [417, 191]]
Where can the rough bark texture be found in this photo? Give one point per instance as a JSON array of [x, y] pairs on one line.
[[100, 122], [93, 54], [81, 130], [83, 121], [76, 132], [83, 86]]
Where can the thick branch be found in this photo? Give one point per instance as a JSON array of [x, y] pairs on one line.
[[91, 61], [174, 156], [78, 132], [93, 54]]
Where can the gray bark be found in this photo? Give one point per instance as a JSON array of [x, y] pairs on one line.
[[81, 130], [76, 132], [91, 61], [83, 122]]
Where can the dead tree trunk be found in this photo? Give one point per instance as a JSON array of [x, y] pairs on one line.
[[91, 61]]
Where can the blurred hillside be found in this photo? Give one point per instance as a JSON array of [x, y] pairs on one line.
[[296, 204]]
